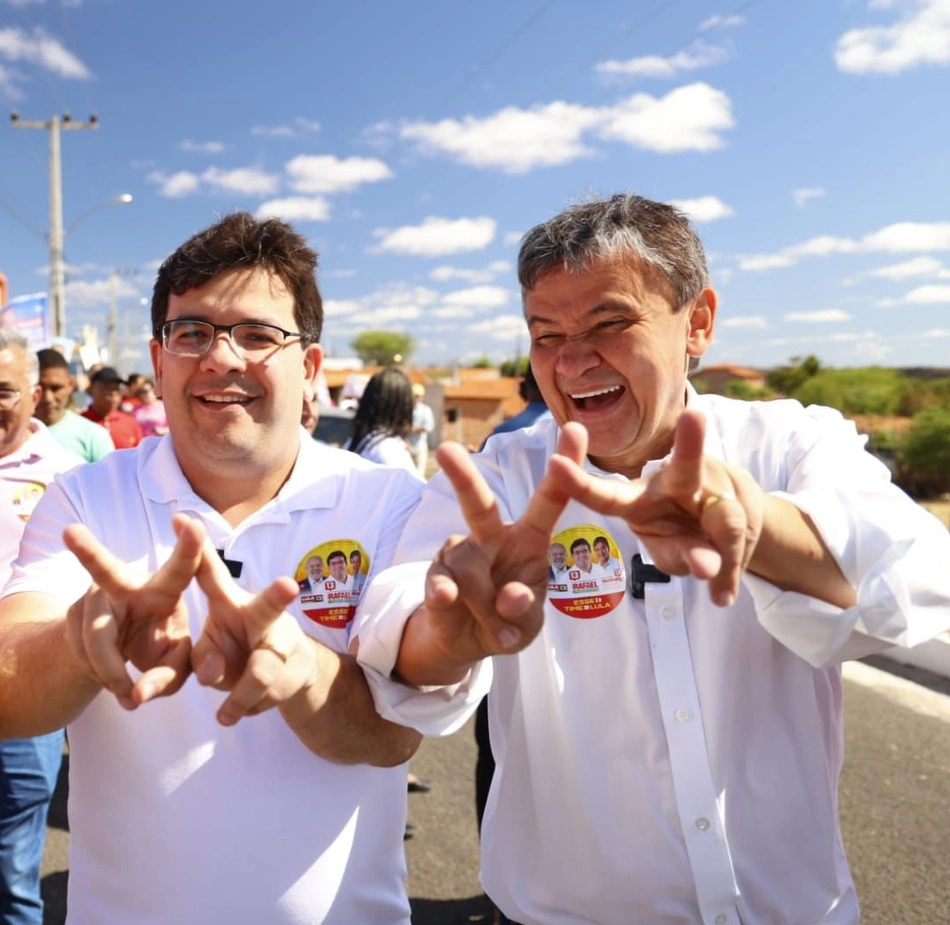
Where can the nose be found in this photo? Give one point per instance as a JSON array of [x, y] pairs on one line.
[[576, 357], [222, 354]]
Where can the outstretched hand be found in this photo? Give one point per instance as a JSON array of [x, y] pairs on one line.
[[127, 617], [485, 592], [695, 515], [250, 646]]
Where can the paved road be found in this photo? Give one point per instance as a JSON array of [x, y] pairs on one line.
[[895, 808]]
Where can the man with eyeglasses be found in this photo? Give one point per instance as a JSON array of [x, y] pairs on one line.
[[236, 771], [29, 461]]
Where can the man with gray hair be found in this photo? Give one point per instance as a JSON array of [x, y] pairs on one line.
[[668, 750], [29, 460]]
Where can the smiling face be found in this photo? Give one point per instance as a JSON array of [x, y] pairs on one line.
[[337, 565], [315, 568], [581, 554], [610, 350], [15, 421], [232, 418], [602, 551], [558, 556]]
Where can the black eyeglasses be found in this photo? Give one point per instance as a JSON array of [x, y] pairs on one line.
[[186, 338]]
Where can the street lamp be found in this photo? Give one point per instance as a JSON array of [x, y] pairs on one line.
[[57, 261]]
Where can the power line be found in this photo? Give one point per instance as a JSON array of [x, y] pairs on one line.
[[496, 54]]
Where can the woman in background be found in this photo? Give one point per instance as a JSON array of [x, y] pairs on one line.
[[383, 420]]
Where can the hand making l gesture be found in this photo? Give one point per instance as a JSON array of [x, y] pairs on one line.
[[695, 515], [125, 617]]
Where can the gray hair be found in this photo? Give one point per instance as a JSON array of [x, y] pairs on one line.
[[10, 339], [625, 225]]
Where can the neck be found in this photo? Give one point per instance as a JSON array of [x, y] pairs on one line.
[[236, 495]]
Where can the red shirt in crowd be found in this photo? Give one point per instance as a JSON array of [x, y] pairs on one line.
[[122, 427]]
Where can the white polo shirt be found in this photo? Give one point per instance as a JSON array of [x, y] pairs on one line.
[[174, 818], [663, 760]]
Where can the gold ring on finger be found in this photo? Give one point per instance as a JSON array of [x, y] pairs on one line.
[[711, 500]]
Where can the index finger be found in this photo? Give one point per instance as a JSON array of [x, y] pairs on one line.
[[176, 572], [478, 503], [549, 499], [683, 474], [106, 570]]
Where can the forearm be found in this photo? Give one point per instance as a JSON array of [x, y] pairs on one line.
[[43, 687], [422, 661], [335, 717], [791, 554]]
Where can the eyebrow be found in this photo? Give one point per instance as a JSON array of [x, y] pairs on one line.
[[601, 308]]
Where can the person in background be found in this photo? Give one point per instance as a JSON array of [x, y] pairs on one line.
[[534, 410], [29, 460], [154, 610], [131, 397], [670, 753], [150, 411], [423, 423], [383, 420], [105, 391], [54, 408]]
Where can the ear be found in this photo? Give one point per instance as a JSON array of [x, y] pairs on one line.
[[312, 364], [702, 321], [155, 350]]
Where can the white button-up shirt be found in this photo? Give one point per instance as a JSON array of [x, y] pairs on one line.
[[668, 761]]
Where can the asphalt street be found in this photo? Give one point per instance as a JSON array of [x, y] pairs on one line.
[[894, 794]]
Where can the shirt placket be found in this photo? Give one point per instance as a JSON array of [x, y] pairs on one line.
[[700, 812]]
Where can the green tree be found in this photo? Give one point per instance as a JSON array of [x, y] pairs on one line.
[[924, 457], [865, 390], [514, 369], [383, 348], [786, 379], [739, 388]]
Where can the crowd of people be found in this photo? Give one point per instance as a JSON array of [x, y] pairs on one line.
[[246, 633]]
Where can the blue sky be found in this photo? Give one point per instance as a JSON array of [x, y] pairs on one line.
[[414, 142]]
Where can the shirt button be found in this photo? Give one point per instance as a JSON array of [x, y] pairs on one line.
[[702, 823], [722, 918], [683, 715], [666, 613]]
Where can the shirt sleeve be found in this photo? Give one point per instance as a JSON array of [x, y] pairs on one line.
[[894, 553], [388, 602]]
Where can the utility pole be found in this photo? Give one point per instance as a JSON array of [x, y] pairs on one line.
[[57, 265], [112, 333]]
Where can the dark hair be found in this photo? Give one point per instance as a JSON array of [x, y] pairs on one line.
[[580, 541], [385, 410], [336, 554], [655, 233], [240, 242], [528, 389], [51, 359]]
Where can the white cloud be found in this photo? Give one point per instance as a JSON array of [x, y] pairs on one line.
[[445, 273], [296, 209], [324, 173], [689, 118], [9, 80], [704, 209], [928, 295], [436, 237], [689, 59], [806, 193], [921, 37], [176, 185], [307, 125], [918, 266], [40, 49], [478, 297], [901, 237], [505, 328], [721, 22], [88, 294], [749, 322], [935, 333], [512, 238], [249, 181], [202, 147], [825, 316], [384, 306], [514, 140], [452, 311]]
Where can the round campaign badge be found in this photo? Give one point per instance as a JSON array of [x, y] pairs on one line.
[[25, 497], [331, 578], [586, 575]]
